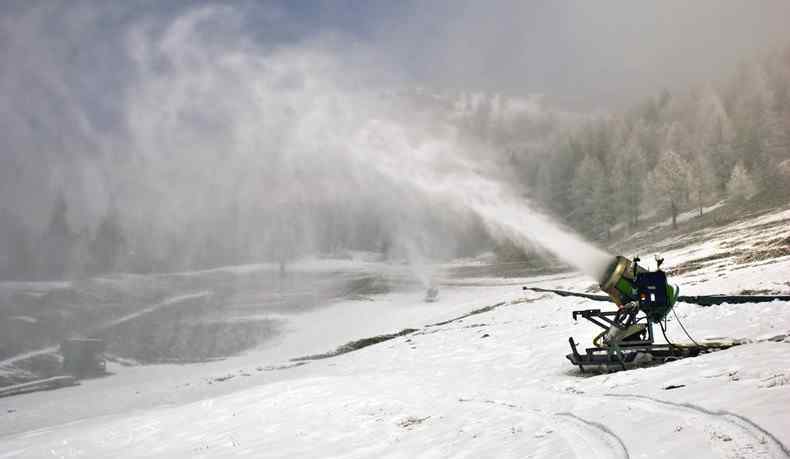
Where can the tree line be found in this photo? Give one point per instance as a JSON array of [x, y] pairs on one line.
[[59, 249], [672, 153]]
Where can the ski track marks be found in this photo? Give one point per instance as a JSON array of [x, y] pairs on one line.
[[738, 435], [587, 439], [596, 441]]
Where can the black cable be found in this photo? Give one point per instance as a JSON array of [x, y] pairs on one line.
[[684, 328], [663, 326]]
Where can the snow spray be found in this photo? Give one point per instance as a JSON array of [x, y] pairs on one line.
[[276, 133], [427, 167]]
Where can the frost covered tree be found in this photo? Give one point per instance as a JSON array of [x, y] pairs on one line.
[[741, 186], [774, 146], [711, 122], [604, 206], [678, 139], [713, 137], [690, 141], [721, 156], [587, 194], [630, 169], [701, 181], [670, 183]]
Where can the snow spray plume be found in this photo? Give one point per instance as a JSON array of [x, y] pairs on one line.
[[437, 168], [226, 150]]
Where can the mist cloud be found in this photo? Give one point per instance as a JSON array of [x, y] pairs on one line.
[[253, 122], [588, 55]]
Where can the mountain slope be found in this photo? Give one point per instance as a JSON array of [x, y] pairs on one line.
[[492, 384]]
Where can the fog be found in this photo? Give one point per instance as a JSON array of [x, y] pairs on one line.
[[271, 131], [584, 55]]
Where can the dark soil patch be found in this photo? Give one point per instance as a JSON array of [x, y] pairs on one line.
[[769, 225], [412, 421], [761, 255], [475, 312], [356, 345], [693, 265], [763, 291], [776, 242], [507, 270]]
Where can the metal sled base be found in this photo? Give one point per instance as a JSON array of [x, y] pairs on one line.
[[605, 360]]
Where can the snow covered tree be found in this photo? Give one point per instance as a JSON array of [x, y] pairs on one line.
[[586, 195], [670, 179], [604, 203], [649, 142], [711, 123], [774, 141], [630, 169], [750, 152], [713, 156], [741, 186], [678, 139], [701, 181], [720, 152]]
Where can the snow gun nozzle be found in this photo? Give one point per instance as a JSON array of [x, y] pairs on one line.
[[625, 281]]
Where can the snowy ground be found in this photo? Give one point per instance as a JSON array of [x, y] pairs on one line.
[[494, 384]]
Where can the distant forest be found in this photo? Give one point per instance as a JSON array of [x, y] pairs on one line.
[[672, 153]]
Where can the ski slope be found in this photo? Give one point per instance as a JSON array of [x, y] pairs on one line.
[[493, 384]]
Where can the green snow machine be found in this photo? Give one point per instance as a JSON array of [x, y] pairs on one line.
[[643, 298]]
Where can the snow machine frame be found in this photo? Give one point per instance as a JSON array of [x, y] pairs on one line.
[[627, 340], [596, 359]]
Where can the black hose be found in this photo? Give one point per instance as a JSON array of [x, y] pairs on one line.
[[663, 326], [684, 328]]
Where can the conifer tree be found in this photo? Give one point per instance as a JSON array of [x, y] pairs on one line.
[[17, 260], [108, 243], [701, 181], [56, 245], [586, 193], [630, 170], [670, 179]]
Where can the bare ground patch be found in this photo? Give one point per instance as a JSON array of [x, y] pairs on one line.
[[698, 263], [356, 345]]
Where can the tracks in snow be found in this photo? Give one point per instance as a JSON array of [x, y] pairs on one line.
[[737, 434], [731, 434], [587, 439], [591, 439]]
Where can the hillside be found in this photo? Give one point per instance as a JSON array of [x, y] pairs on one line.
[[494, 383]]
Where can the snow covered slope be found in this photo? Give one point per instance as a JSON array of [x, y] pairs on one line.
[[492, 384]]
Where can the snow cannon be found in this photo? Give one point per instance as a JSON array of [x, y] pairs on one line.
[[626, 282], [643, 298]]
